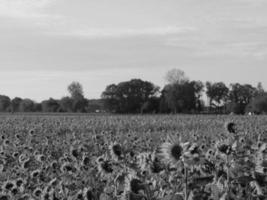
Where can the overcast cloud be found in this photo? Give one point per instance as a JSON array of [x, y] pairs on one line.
[[46, 44]]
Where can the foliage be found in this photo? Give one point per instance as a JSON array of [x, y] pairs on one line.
[[27, 105], [4, 103], [182, 97], [129, 96], [258, 104], [50, 105], [176, 76], [76, 90], [66, 104], [137, 96], [15, 103], [217, 93], [241, 95]]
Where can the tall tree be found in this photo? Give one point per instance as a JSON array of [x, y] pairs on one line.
[[50, 105], [80, 105], [27, 105], [199, 88], [129, 96], [76, 90], [176, 76], [260, 89], [240, 96], [180, 97], [66, 104], [15, 103], [258, 104], [217, 94], [111, 98], [4, 103]]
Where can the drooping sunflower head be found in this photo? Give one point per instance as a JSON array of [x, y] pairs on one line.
[[231, 127], [116, 151], [133, 184], [100, 159], [104, 166]]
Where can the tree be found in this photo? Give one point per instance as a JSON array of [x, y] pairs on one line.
[[80, 105], [50, 105], [258, 104], [260, 89], [27, 105], [240, 96], [111, 98], [95, 105], [199, 88], [176, 76], [180, 97], [151, 106], [66, 104], [15, 103], [217, 94], [129, 96], [37, 107], [76, 90], [4, 103]]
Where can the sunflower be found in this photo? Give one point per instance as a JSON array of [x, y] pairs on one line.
[[67, 168], [86, 160], [31, 132], [74, 153], [105, 167], [88, 194], [116, 151], [133, 184], [225, 149], [8, 186], [173, 150], [156, 165], [100, 159], [4, 196], [37, 192], [231, 127], [35, 173]]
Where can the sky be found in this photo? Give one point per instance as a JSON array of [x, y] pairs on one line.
[[47, 44]]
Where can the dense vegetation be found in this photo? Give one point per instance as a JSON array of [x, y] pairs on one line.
[[179, 95], [133, 157]]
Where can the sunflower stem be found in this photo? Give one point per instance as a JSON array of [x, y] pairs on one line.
[[186, 182], [228, 175], [148, 192]]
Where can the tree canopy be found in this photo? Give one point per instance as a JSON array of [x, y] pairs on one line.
[[129, 96], [179, 95]]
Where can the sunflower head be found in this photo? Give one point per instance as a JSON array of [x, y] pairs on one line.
[[133, 184], [136, 185], [225, 149], [231, 127], [105, 167], [88, 194], [172, 152], [116, 151], [176, 151]]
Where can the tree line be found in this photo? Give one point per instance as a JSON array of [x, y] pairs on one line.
[[75, 102], [179, 95]]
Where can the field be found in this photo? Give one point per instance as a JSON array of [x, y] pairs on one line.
[[170, 157]]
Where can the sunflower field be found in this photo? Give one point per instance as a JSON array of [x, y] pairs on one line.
[[137, 157]]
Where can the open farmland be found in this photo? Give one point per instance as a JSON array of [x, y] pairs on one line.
[[133, 157]]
